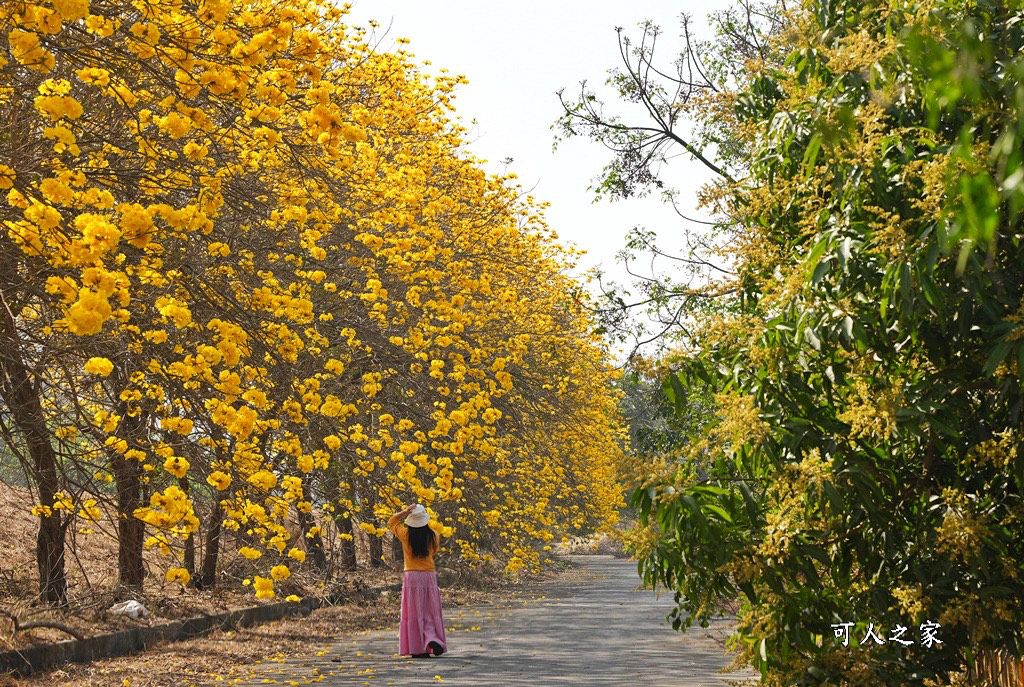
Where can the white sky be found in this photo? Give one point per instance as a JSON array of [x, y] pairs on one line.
[[516, 55]]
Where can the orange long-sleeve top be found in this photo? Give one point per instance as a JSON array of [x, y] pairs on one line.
[[425, 564]]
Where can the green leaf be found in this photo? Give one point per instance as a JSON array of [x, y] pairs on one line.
[[820, 270], [816, 252], [710, 489], [669, 392], [834, 498], [811, 155], [1020, 365], [679, 390], [998, 355], [812, 339], [844, 251], [906, 284], [748, 589], [691, 503], [718, 510], [749, 503]]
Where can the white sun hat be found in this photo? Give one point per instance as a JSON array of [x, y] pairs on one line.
[[418, 517]]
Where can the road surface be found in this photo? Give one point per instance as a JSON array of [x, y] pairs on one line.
[[592, 628]]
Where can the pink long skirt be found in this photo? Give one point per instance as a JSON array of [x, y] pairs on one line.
[[422, 621]]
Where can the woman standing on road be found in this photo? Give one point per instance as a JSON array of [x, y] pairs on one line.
[[421, 631]]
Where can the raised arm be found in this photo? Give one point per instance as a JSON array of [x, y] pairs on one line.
[[396, 520]]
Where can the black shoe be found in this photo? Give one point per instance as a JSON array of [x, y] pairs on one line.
[[436, 648], [427, 655]]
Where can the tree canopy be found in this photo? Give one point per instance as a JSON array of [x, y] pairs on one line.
[[248, 272], [863, 462]]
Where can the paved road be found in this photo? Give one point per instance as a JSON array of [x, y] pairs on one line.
[[592, 629]]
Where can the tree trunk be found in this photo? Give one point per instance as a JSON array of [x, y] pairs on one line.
[[348, 559], [190, 555], [208, 575], [376, 550], [314, 544], [22, 398], [347, 548], [190, 540], [397, 555], [53, 585], [131, 532]]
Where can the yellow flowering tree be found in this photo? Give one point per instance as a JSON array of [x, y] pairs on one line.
[[278, 290]]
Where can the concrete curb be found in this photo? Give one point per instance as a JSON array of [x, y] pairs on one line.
[[25, 661]]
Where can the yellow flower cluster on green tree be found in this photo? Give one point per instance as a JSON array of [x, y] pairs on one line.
[[847, 414]]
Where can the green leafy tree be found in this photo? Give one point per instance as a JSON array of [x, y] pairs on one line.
[[866, 453]]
